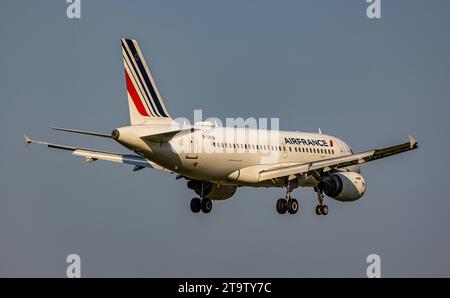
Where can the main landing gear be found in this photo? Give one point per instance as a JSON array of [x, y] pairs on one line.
[[321, 209], [197, 204], [200, 204], [287, 204]]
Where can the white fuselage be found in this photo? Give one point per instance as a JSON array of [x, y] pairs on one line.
[[228, 155]]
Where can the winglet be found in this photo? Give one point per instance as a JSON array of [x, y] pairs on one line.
[[412, 142], [26, 140]]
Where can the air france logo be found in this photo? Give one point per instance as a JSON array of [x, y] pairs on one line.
[[298, 141]]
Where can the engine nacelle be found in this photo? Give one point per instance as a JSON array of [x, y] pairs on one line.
[[212, 191], [344, 186]]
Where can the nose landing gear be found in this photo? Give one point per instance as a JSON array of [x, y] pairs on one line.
[[321, 209]]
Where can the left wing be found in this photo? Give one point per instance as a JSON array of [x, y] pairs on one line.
[[330, 164], [139, 162]]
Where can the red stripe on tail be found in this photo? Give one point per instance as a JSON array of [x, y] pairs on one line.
[[135, 96]]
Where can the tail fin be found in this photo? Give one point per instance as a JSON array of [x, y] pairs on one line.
[[144, 100]]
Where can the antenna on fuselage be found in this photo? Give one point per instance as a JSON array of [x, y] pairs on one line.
[[320, 131]]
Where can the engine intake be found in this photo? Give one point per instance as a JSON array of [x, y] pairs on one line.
[[344, 186]]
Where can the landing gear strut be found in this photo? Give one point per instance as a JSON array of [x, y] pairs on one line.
[[321, 209]]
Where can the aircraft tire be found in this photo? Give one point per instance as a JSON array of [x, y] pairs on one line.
[[319, 210], [281, 206], [292, 206], [206, 205], [195, 205]]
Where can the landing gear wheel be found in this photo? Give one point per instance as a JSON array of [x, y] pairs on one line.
[[195, 205], [292, 206], [281, 206], [319, 210], [206, 205]]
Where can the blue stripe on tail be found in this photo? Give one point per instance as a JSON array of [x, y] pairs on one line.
[[150, 87]]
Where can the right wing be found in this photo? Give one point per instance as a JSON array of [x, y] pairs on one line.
[[335, 163], [258, 173], [139, 162]]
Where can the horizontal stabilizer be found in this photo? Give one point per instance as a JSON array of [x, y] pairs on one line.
[[83, 132], [93, 155], [164, 133]]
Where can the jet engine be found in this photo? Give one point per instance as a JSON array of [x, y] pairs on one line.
[[344, 186], [212, 191]]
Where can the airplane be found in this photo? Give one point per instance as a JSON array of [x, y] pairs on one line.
[[216, 160]]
